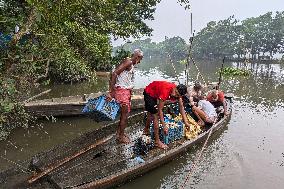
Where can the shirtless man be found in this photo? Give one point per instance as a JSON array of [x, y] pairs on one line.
[[196, 90]]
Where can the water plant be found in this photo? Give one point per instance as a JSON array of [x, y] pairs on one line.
[[230, 71]]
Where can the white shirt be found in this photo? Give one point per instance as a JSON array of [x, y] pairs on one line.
[[208, 108]]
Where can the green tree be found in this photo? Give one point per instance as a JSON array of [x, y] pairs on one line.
[[62, 40]]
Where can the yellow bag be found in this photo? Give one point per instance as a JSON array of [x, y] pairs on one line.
[[194, 129]]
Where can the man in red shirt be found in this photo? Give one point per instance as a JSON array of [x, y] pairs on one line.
[[217, 98], [155, 95]]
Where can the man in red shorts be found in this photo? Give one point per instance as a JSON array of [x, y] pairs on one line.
[[155, 96], [120, 87]]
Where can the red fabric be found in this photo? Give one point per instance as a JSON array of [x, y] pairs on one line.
[[221, 97], [123, 96], [160, 89]]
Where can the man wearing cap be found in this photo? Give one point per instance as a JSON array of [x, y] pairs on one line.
[[217, 98], [120, 87], [155, 95]]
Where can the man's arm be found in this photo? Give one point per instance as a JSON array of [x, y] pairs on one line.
[[160, 111], [225, 107], [222, 97], [182, 112], [123, 66]]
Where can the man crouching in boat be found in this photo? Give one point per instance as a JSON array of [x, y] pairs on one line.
[[155, 95], [205, 111], [120, 87]]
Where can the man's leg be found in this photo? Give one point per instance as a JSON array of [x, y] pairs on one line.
[[202, 115], [199, 113], [122, 125], [147, 125], [158, 142]]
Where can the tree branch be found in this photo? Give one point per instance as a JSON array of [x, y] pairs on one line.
[[45, 74], [26, 27]]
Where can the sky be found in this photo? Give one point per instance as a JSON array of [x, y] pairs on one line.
[[172, 20]]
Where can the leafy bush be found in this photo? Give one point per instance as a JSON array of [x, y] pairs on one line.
[[229, 71], [119, 55], [12, 112]]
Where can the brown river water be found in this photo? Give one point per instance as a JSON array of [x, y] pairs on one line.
[[247, 153]]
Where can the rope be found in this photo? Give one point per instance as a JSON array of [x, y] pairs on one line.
[[173, 68], [199, 156], [190, 57], [220, 75], [198, 70], [22, 168]]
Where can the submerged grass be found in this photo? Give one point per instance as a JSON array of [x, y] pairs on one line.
[[229, 71]]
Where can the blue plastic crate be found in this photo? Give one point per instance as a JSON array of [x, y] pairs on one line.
[[100, 109], [174, 133]]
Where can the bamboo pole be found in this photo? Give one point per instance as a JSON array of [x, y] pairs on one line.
[[38, 95]]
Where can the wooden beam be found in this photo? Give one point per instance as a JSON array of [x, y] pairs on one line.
[[38, 95]]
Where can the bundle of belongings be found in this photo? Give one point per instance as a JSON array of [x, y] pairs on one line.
[[143, 145], [195, 129], [192, 132]]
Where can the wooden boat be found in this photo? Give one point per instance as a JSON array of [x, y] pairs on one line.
[[72, 105], [96, 160]]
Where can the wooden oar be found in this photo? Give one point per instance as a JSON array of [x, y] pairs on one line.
[[51, 167]]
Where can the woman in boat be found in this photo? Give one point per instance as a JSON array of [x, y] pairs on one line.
[[155, 95], [120, 87]]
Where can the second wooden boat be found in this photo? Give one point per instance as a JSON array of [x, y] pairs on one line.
[[73, 105]]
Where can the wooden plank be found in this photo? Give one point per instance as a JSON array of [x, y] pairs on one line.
[[51, 167]]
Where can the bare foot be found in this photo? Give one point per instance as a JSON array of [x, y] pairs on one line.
[[123, 139], [161, 145]]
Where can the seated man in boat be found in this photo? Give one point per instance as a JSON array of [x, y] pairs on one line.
[[120, 87], [155, 96], [217, 98], [204, 110], [196, 91]]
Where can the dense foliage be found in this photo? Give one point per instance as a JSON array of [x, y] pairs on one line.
[[255, 38], [62, 41], [259, 36]]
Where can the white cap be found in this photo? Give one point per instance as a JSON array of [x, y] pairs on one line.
[[138, 51]]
